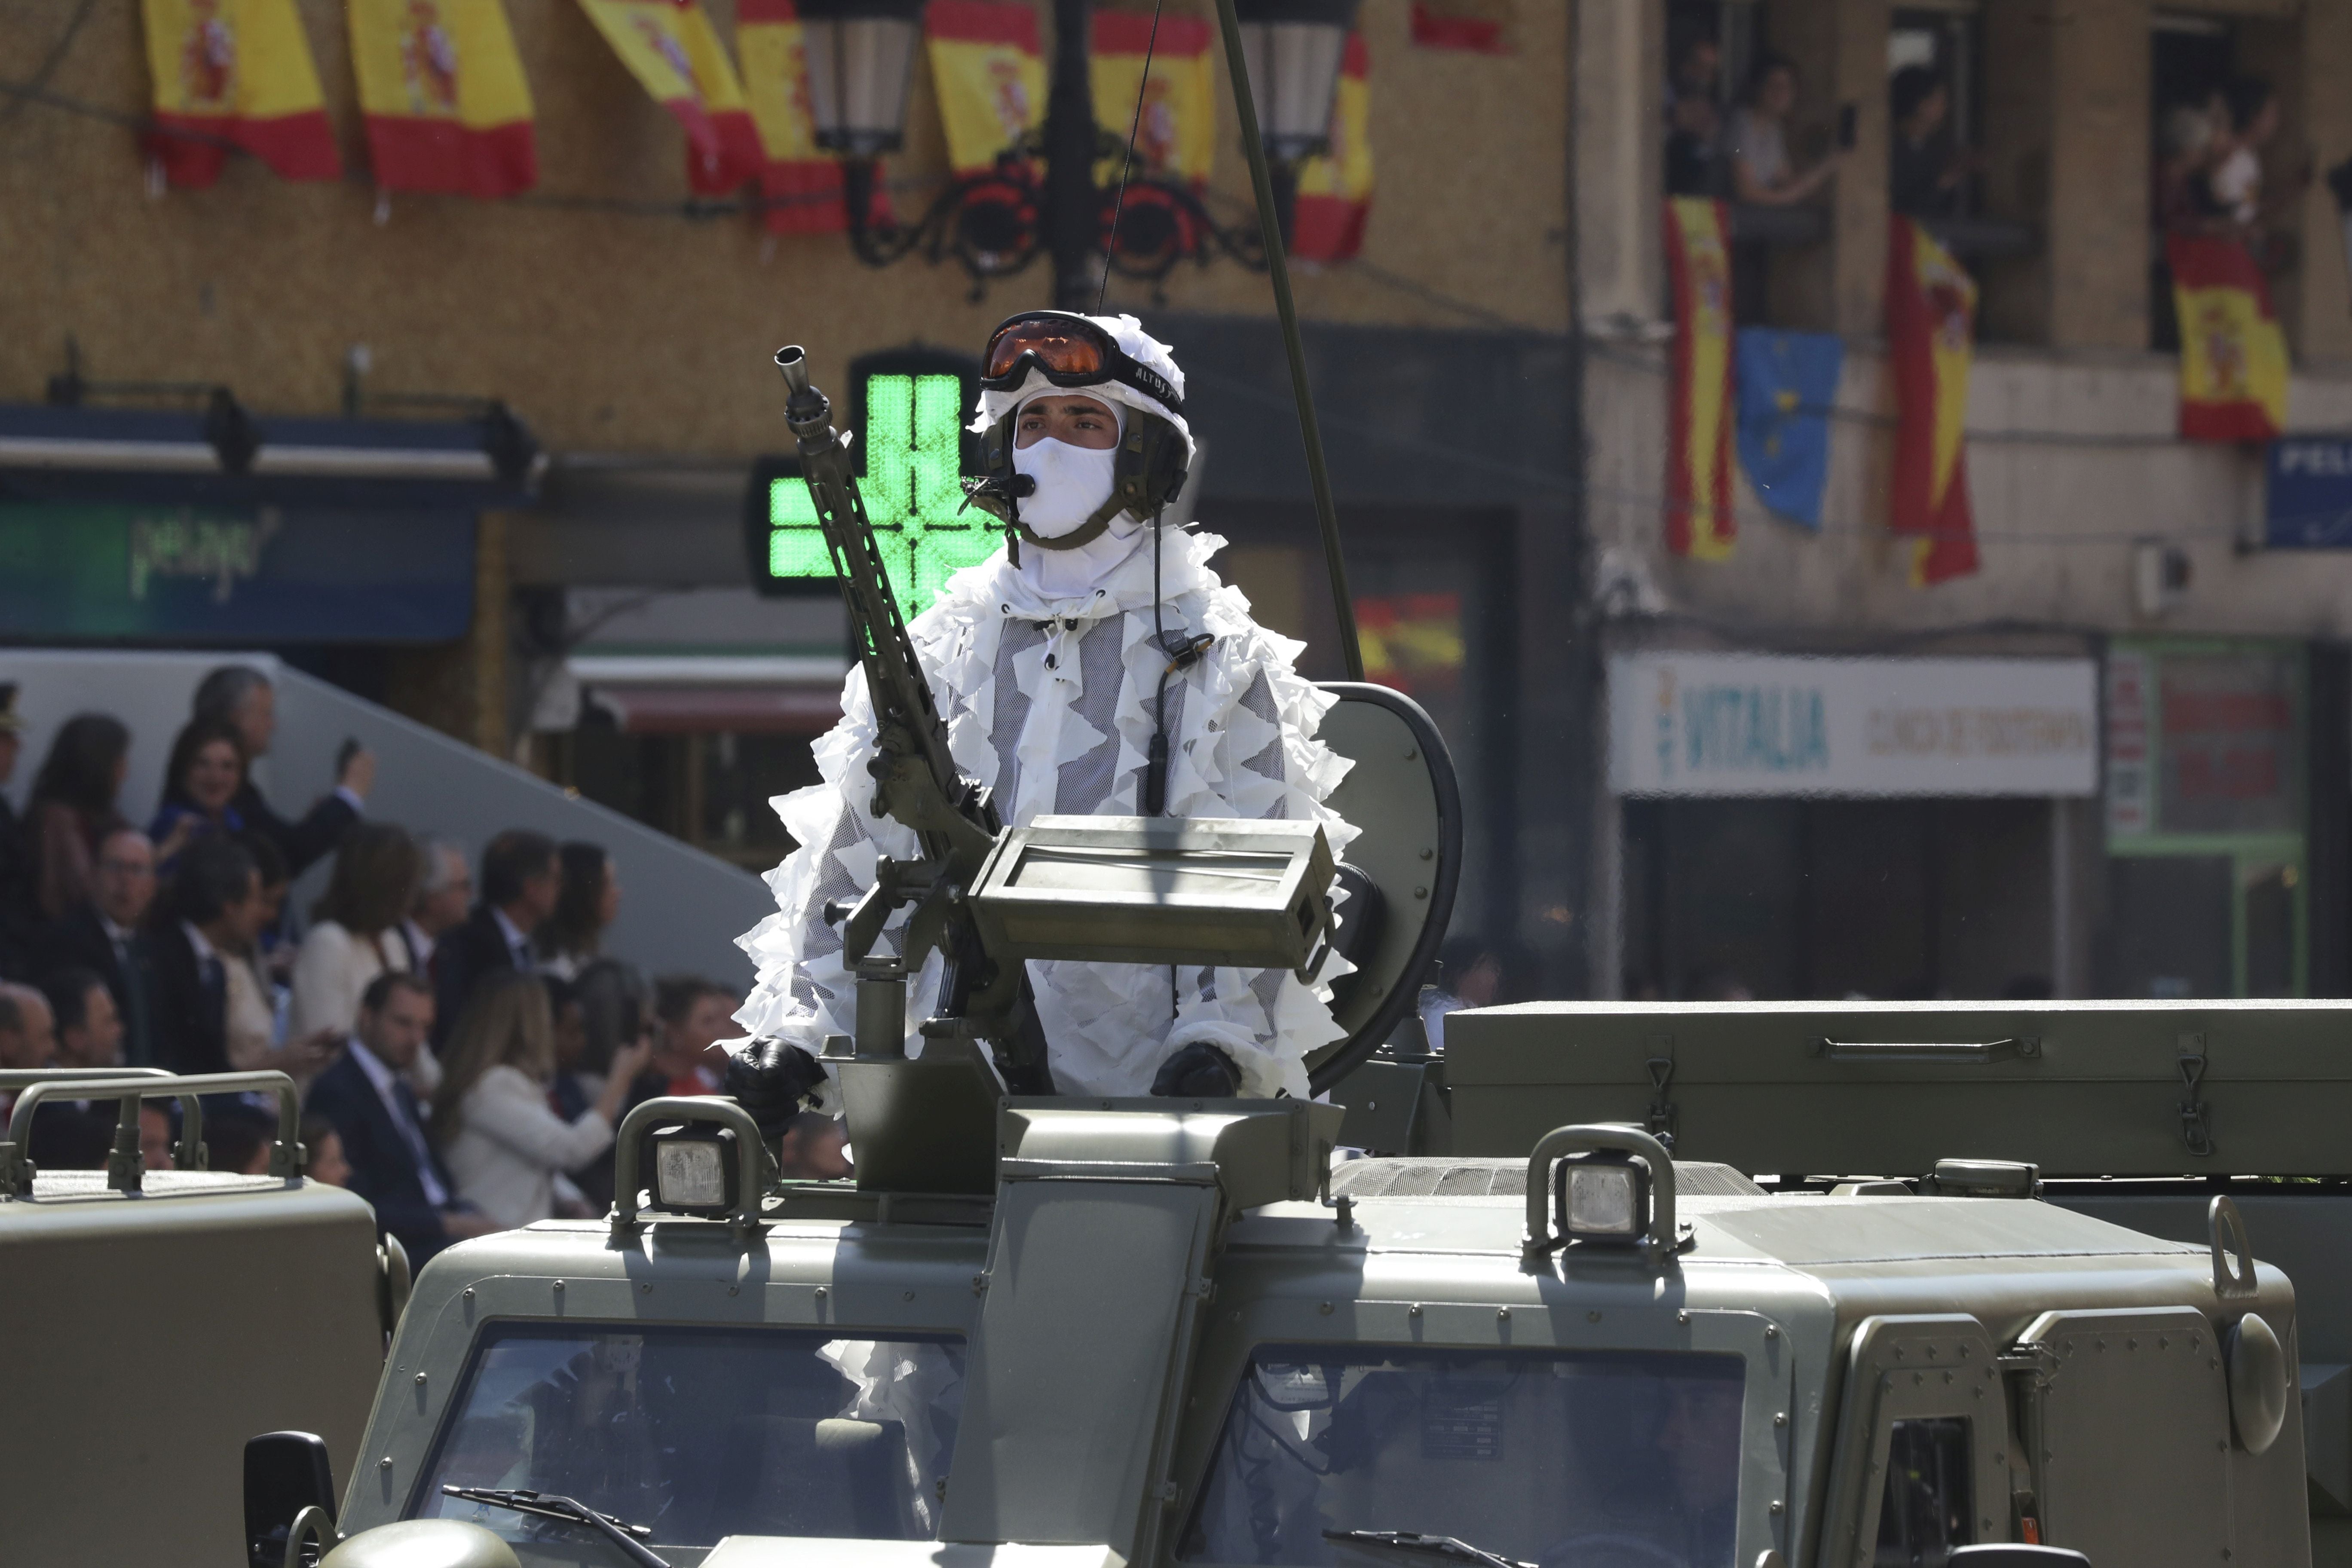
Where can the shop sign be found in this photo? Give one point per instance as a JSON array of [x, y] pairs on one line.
[[260, 575], [2203, 741], [2310, 489], [1736, 725]]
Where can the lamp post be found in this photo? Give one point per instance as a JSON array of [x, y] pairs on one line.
[[861, 57]]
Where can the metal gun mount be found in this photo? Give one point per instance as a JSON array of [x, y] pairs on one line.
[[1251, 895]]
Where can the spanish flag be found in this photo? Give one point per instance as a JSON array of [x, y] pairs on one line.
[[1335, 191], [1699, 520], [801, 181], [235, 73], [2233, 354], [1931, 317], [1176, 133], [988, 76], [447, 108], [670, 47]]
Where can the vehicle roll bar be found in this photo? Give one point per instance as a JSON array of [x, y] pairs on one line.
[[128, 1087]]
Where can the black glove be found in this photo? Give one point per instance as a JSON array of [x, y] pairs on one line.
[[1198, 1071], [772, 1080]]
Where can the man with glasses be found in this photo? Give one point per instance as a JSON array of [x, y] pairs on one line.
[[1095, 665]]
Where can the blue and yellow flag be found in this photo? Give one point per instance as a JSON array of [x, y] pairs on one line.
[[1787, 381]]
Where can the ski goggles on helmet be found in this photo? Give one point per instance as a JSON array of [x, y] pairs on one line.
[[1068, 350]]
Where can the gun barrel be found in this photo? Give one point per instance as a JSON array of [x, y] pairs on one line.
[[794, 362]]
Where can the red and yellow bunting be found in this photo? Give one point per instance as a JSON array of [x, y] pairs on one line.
[[801, 181], [234, 74], [442, 92], [671, 48], [1699, 520], [1931, 314], [2233, 363], [988, 75], [1335, 191]]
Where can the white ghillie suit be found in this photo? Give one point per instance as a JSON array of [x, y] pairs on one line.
[[1044, 674], [1049, 703]]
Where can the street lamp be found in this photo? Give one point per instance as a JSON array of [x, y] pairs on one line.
[[1294, 49], [995, 221]]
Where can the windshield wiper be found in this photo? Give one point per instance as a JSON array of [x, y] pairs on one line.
[[1407, 1542], [547, 1505]]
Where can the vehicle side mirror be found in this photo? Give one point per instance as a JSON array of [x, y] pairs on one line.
[[2011, 1554], [285, 1472]]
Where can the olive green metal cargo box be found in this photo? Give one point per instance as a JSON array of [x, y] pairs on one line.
[[2115, 1089]]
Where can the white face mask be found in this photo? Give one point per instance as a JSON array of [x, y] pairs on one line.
[[1072, 482]]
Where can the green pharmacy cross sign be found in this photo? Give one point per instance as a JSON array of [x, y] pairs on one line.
[[909, 409]]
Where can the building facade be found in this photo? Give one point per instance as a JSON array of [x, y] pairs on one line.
[[1492, 375]]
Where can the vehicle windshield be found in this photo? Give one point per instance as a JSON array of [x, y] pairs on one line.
[[702, 1433], [1567, 1459]]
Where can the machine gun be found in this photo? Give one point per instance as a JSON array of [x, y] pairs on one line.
[[917, 784]]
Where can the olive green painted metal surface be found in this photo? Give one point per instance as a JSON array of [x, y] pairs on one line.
[[2114, 1088], [151, 1334]]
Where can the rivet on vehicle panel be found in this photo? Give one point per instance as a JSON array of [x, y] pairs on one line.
[[1325, 1308], [1780, 1418], [1772, 1330], [906, 1296], [731, 1290], [385, 1463], [420, 1380], [2131, 1344], [1421, 892], [820, 1292], [647, 1286], [1502, 1314], [1592, 1317], [468, 1292], [1776, 1508], [559, 1284], [2001, 1459], [1429, 854], [1682, 1317], [1413, 1310], [2163, 1343]]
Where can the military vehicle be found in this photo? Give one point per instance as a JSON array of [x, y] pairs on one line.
[[156, 1319]]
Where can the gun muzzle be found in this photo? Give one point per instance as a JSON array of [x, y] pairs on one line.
[[792, 360]]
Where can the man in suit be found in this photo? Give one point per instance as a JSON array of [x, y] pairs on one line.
[[75, 1135], [19, 919], [521, 879], [217, 909], [242, 697], [366, 1097], [103, 934], [443, 896]]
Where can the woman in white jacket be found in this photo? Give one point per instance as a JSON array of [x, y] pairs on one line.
[[355, 936], [504, 1145]]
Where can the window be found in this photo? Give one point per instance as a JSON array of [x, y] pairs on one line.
[[1567, 1459], [703, 1432], [1927, 1506]]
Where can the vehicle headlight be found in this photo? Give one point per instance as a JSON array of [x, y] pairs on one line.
[[1602, 1197], [694, 1169]]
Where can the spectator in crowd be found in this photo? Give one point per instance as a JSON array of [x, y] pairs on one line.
[[242, 696], [573, 935], [1762, 172], [254, 1036], [27, 1034], [615, 1010], [201, 783], [695, 1015], [507, 1148], [19, 927], [1695, 119], [157, 1135], [2183, 201], [2235, 182], [327, 1166], [522, 878], [574, 1088], [238, 1146], [1924, 169], [1470, 974], [73, 809], [365, 1096], [75, 1135], [444, 891], [102, 933], [355, 932], [214, 914]]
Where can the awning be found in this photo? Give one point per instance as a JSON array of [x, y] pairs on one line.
[[675, 694], [222, 455]]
